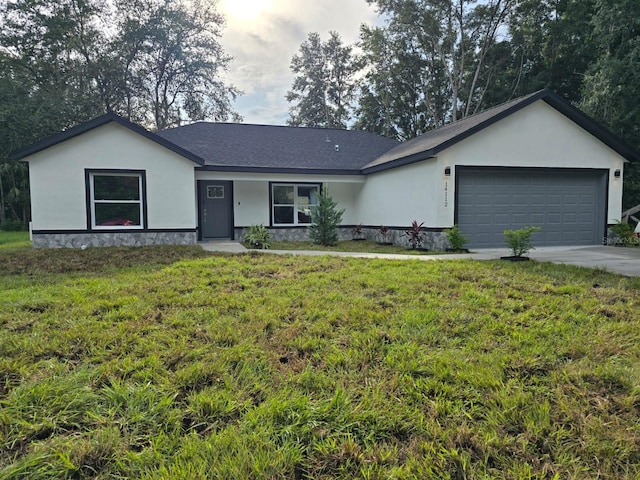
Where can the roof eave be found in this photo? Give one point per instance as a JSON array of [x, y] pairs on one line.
[[95, 123], [400, 162], [592, 126], [288, 170]]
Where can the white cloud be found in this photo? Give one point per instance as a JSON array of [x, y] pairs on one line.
[[263, 47]]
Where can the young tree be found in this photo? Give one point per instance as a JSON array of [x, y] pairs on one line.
[[325, 219], [323, 88]]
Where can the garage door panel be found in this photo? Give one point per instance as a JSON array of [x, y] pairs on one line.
[[502, 219], [484, 219], [502, 200], [571, 200], [554, 218], [537, 199], [554, 200], [567, 204], [554, 236], [520, 200]]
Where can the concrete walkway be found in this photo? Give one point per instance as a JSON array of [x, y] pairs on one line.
[[624, 261]]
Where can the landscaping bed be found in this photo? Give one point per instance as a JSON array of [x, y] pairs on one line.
[[363, 246]]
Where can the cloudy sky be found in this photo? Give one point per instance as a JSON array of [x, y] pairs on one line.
[[263, 35]]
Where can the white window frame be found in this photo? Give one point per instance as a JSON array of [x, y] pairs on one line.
[[294, 205], [94, 202]]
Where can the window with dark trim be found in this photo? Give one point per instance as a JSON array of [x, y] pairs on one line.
[[116, 199], [292, 204]]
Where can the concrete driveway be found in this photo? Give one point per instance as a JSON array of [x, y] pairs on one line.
[[624, 261]]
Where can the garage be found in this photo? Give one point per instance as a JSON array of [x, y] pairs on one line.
[[568, 204]]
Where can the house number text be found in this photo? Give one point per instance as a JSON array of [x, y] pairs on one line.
[[446, 194]]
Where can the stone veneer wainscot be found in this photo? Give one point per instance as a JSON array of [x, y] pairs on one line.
[[110, 239]]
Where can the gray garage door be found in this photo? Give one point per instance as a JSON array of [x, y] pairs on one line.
[[569, 205]]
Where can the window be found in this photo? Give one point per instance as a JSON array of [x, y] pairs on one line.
[[292, 204], [116, 199], [215, 191]]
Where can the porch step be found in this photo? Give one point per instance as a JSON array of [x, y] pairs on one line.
[[223, 246]]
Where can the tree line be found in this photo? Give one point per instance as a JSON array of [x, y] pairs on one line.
[[62, 62], [159, 63], [433, 62]]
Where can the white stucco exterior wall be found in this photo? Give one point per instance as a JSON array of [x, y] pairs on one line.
[[398, 196], [251, 193], [251, 203], [536, 136], [57, 179]]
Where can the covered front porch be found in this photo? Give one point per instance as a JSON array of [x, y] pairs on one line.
[[230, 202]]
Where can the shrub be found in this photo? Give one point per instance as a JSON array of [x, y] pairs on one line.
[[357, 232], [258, 237], [519, 241], [326, 219], [415, 235], [622, 231], [384, 233], [455, 238]]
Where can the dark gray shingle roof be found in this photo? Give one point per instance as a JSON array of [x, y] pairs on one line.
[[242, 146]]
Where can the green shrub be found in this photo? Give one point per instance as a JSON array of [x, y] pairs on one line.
[[519, 241], [326, 219], [623, 231], [258, 237], [455, 238]]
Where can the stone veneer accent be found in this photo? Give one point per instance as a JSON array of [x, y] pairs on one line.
[[112, 239], [432, 240]]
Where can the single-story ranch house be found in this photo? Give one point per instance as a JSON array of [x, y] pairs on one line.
[[536, 160]]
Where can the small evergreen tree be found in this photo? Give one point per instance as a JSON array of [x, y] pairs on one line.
[[325, 219]]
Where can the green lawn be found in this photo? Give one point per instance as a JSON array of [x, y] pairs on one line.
[[173, 363], [10, 240]]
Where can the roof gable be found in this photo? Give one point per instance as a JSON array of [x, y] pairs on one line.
[[431, 143], [96, 123]]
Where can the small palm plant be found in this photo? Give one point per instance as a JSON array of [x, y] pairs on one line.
[[357, 232], [415, 234], [384, 235]]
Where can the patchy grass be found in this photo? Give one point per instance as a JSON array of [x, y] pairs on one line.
[[92, 260], [257, 366], [12, 240], [364, 246]]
